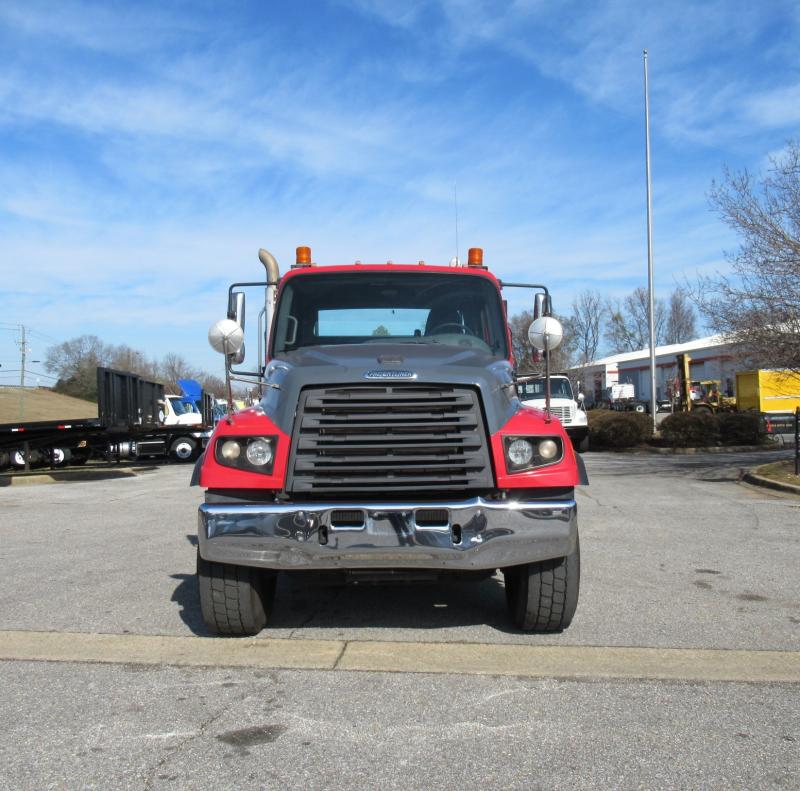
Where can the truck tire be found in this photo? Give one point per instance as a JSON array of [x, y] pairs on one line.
[[18, 458], [543, 596], [234, 600], [183, 449], [60, 456]]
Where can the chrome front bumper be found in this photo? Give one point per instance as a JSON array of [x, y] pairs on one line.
[[468, 535]]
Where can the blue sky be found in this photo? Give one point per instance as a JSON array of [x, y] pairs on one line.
[[147, 150]]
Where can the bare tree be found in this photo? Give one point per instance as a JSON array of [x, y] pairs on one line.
[[628, 328], [213, 384], [174, 367], [585, 321], [681, 318], [75, 364], [757, 305], [124, 358]]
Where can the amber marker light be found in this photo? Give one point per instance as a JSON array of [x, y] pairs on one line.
[[475, 256], [303, 256]]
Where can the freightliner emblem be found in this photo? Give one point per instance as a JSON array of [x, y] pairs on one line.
[[386, 374]]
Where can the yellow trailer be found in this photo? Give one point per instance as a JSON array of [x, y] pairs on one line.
[[768, 391]]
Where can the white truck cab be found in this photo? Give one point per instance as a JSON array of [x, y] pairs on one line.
[[179, 411], [563, 405]]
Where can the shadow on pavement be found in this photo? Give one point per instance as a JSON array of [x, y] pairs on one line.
[[319, 603], [324, 601], [188, 599]]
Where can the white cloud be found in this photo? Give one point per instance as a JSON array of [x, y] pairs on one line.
[[778, 108]]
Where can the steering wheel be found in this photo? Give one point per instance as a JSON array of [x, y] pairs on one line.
[[463, 330]]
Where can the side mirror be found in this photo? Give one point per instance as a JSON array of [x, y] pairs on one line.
[[545, 333], [581, 397], [236, 308], [226, 337], [541, 305]]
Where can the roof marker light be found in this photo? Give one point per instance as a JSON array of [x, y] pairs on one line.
[[303, 256], [475, 256]]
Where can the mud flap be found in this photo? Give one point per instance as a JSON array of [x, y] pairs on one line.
[[583, 478], [198, 466]]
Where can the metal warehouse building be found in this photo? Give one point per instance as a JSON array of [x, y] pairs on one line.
[[712, 358]]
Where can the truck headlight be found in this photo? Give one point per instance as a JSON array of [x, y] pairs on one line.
[[527, 453], [547, 449], [230, 450], [259, 452], [253, 454], [520, 452]]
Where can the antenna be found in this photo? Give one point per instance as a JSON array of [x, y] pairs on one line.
[[455, 203]]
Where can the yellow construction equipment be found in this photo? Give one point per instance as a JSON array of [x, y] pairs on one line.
[[768, 391]]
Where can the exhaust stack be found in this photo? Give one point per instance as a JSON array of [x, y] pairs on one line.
[[271, 265]]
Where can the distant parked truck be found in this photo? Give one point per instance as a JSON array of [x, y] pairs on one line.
[[134, 419], [771, 392], [622, 397], [564, 405]]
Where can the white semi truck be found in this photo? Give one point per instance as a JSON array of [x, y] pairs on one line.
[[564, 405]]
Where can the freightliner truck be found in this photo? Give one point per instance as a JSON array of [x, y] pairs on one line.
[[389, 442]]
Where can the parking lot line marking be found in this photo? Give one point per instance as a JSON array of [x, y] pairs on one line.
[[564, 662], [575, 662], [169, 650]]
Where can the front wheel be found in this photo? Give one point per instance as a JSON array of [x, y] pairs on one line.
[[543, 596], [234, 600]]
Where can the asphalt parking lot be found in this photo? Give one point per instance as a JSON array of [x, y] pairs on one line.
[[680, 670]]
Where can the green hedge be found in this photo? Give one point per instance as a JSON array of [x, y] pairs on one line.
[[701, 429], [608, 429], [740, 428], [690, 429]]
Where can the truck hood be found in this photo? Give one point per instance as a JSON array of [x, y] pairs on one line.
[[387, 364]]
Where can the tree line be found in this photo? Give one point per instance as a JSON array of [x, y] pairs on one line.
[[75, 363], [596, 326]]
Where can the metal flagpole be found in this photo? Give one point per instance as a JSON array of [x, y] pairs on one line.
[[650, 248]]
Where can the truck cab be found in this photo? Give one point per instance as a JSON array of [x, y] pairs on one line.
[[389, 441], [180, 411]]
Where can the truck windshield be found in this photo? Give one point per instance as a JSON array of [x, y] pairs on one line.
[[559, 388], [181, 407], [395, 307]]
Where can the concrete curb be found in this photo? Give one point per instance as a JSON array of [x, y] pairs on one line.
[[38, 478], [757, 480], [568, 662]]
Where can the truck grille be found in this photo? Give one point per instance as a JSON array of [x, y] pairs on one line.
[[376, 439], [563, 413]]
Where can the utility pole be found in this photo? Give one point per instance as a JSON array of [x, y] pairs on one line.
[[650, 248], [23, 355]]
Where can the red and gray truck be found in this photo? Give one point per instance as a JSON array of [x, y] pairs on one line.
[[389, 442]]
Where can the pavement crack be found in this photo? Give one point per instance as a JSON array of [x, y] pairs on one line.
[[338, 659], [191, 736]]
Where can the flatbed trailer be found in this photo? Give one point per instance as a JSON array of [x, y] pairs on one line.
[[129, 425]]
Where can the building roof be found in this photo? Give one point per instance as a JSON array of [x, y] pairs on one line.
[[671, 349]]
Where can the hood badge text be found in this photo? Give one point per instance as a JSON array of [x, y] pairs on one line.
[[384, 374]]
